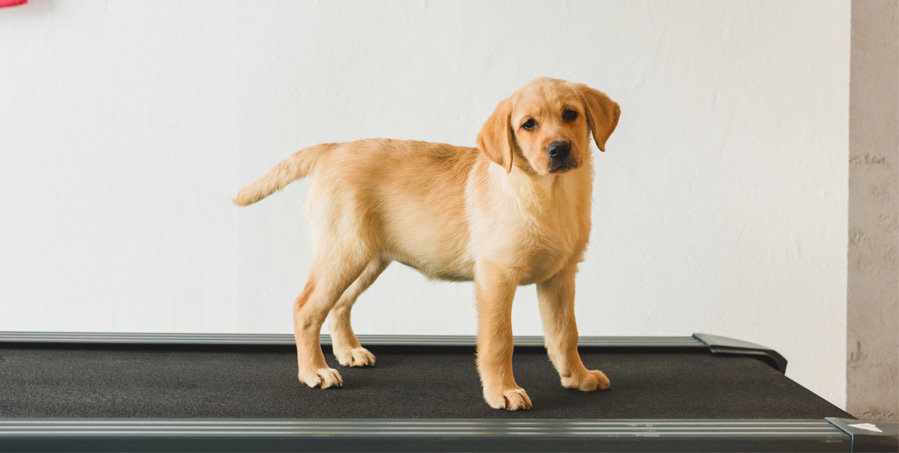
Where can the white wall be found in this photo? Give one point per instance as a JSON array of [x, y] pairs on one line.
[[126, 128]]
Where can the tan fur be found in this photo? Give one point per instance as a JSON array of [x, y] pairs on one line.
[[498, 214]]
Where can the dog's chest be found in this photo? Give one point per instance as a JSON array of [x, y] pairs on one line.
[[538, 247], [532, 228]]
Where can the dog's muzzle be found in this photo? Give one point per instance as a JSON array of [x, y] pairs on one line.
[[560, 157]]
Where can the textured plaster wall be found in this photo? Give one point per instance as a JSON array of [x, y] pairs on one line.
[[126, 128], [873, 289]]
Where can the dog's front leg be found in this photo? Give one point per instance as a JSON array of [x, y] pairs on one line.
[[556, 297], [495, 293]]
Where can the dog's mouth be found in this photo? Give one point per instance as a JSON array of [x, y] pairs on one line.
[[561, 166]]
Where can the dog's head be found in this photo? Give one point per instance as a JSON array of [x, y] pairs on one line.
[[548, 122]]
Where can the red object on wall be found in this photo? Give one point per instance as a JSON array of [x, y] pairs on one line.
[[5, 3]]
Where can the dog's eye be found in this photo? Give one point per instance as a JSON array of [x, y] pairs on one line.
[[529, 124], [569, 115]]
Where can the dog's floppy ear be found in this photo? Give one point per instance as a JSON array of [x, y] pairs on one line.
[[602, 114], [496, 139]]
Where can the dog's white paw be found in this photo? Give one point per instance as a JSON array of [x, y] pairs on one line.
[[587, 381], [354, 357], [323, 377], [510, 399]]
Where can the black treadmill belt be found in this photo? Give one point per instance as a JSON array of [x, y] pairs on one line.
[[407, 382]]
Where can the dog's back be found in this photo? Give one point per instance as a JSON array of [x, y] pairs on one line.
[[405, 199]]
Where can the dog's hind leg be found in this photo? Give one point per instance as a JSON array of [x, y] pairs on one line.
[[329, 278], [344, 342]]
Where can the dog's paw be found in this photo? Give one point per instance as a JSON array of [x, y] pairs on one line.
[[510, 399], [354, 357], [324, 377], [586, 381]]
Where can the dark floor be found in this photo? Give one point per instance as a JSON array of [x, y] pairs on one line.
[[197, 382]]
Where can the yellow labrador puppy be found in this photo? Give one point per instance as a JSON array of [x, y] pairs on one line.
[[513, 211]]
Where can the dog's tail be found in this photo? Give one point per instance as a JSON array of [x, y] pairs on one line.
[[298, 165]]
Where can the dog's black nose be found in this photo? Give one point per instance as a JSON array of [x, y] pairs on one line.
[[558, 150]]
